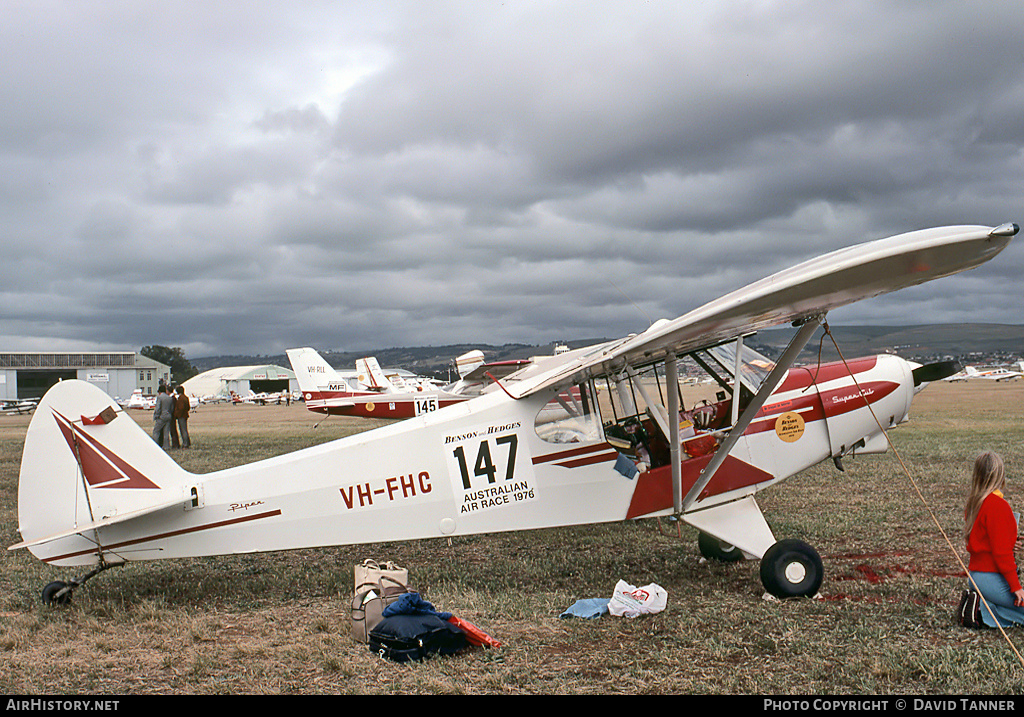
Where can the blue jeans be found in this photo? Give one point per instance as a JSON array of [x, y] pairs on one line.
[[996, 591]]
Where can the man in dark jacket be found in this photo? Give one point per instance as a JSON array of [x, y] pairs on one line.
[[181, 408]]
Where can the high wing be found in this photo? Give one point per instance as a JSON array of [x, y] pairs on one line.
[[794, 295]]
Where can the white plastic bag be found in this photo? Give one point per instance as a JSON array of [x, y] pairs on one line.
[[631, 601]]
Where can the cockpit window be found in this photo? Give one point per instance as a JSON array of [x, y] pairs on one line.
[[634, 402], [570, 417], [754, 368]]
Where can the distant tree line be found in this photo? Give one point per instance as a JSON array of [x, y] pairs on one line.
[[181, 368]]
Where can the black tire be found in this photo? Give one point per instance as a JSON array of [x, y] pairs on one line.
[[50, 597], [792, 568], [714, 549]]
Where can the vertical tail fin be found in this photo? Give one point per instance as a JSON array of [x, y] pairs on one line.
[[371, 374], [469, 361], [313, 373], [85, 461]]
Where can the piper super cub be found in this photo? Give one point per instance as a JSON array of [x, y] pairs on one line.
[[95, 490]]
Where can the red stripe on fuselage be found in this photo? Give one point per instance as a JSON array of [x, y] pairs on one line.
[[804, 376], [570, 453], [403, 408], [371, 405]]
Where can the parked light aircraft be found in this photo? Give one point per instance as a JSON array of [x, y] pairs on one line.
[[18, 406], [138, 401], [1000, 373], [325, 391], [95, 490], [263, 398], [375, 379]]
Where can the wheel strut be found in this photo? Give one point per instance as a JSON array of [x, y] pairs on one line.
[[59, 592]]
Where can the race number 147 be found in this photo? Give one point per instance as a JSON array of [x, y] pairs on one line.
[[492, 464]]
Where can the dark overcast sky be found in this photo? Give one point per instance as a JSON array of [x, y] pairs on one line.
[[240, 177]]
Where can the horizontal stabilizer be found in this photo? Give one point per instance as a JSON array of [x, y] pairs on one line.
[[112, 520]]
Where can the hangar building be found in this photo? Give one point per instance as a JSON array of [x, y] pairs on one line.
[[29, 374], [223, 382]]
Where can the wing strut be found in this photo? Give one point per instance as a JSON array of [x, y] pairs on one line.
[[803, 335], [672, 388]]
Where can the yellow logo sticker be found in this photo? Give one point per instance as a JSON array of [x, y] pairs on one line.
[[789, 426], [369, 407]]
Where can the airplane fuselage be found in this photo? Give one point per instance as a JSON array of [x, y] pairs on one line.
[[485, 465], [378, 405]]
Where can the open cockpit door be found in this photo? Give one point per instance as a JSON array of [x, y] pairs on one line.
[[713, 393], [744, 419]]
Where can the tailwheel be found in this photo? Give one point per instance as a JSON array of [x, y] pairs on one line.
[[714, 549], [792, 568], [57, 593]]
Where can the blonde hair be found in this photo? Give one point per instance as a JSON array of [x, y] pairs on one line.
[[989, 475]]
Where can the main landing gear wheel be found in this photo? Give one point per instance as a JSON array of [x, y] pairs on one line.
[[791, 568], [714, 549]]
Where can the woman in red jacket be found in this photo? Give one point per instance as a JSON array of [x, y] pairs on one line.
[[991, 529]]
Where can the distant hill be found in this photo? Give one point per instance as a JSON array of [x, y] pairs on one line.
[[968, 343]]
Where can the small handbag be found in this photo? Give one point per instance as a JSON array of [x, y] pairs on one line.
[[370, 572], [968, 612]]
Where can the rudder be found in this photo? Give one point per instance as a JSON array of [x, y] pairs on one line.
[[468, 362], [372, 375], [85, 461], [313, 372]]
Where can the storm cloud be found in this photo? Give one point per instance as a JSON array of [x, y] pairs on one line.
[[243, 178]]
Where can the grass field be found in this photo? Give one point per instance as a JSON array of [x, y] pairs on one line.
[[278, 623]]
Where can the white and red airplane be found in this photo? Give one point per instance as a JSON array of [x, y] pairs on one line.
[[140, 402], [18, 406], [373, 394], [96, 491], [1000, 373]]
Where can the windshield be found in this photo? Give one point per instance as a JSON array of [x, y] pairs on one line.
[[754, 368]]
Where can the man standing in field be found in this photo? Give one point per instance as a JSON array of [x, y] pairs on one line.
[[181, 408], [163, 414]]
